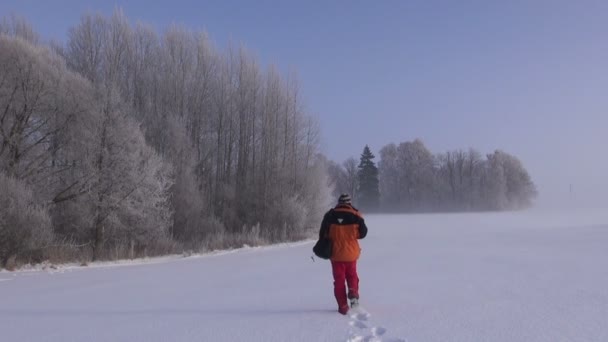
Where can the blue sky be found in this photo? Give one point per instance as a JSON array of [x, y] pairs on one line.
[[528, 77]]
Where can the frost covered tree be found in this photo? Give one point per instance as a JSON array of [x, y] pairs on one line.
[[138, 142], [76, 151], [351, 177], [407, 177], [337, 176], [236, 135], [343, 177], [413, 179], [509, 185], [389, 178]]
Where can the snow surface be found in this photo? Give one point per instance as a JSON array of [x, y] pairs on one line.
[[529, 276]]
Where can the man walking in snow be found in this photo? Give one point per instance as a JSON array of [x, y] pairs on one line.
[[344, 225]]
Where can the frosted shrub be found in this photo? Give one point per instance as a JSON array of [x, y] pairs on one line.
[[25, 226]]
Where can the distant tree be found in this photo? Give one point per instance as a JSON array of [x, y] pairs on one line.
[[473, 170], [389, 180], [413, 179], [416, 173], [337, 178], [495, 183], [351, 177], [343, 178], [368, 197], [460, 173], [513, 180], [407, 177]]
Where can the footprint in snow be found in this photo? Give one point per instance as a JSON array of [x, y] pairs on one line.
[[363, 316], [378, 331], [358, 324], [374, 334], [355, 338]]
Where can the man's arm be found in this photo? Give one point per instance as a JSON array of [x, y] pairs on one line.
[[362, 228], [324, 226]]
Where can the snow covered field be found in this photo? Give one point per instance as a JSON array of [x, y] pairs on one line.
[[530, 276]]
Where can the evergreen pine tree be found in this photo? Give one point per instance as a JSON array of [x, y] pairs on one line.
[[368, 195]]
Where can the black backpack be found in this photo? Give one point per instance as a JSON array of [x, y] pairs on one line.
[[322, 248]]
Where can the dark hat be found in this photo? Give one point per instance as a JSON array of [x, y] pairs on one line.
[[344, 199]]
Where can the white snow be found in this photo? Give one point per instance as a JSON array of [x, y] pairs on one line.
[[528, 276]]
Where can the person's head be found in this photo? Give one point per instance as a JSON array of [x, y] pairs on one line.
[[344, 199]]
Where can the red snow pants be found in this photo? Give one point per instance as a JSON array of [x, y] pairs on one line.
[[345, 271]]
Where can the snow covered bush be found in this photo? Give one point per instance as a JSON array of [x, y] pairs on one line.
[[25, 226]]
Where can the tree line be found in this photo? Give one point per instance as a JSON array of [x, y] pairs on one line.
[[122, 142], [409, 178]]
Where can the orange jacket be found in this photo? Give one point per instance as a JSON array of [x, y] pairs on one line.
[[344, 225]]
